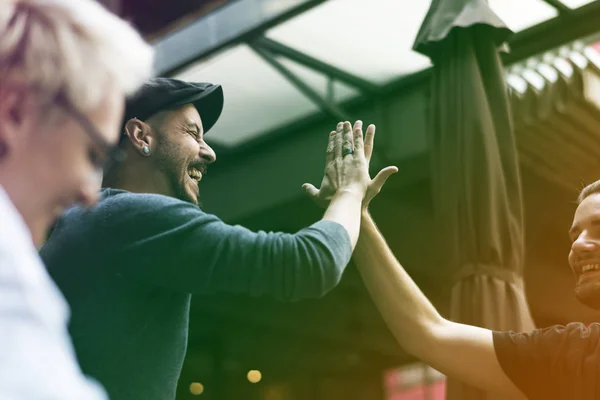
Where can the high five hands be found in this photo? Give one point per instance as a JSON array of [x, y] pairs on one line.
[[347, 161]]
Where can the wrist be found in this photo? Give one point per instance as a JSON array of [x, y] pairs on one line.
[[355, 193]]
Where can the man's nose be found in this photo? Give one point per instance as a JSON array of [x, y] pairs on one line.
[[584, 244], [207, 153]]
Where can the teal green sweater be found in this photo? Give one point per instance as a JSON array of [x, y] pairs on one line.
[[129, 265]]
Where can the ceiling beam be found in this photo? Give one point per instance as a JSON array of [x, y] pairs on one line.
[[255, 178], [328, 106], [568, 27], [560, 6], [238, 22], [317, 65]]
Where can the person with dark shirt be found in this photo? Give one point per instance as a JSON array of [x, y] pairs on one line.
[[559, 362], [129, 266]]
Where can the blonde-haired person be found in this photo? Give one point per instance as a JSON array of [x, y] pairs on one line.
[[65, 69]]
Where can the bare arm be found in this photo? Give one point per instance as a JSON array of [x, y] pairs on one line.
[[460, 351], [345, 210]]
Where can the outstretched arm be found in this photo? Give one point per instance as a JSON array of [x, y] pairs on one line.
[[175, 245], [461, 351]]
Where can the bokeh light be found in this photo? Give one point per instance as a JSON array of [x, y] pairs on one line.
[[254, 376], [196, 388]]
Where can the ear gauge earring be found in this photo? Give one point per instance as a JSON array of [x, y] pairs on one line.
[[146, 150]]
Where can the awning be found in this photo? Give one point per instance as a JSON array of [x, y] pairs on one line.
[[475, 172]]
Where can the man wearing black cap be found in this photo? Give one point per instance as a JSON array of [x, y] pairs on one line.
[[128, 266]]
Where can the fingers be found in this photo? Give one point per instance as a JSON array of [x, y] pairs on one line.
[[358, 136], [330, 152], [383, 175], [369, 139], [310, 190], [339, 139], [348, 140], [357, 125]]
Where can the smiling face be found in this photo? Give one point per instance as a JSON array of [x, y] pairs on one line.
[[584, 257], [182, 156]]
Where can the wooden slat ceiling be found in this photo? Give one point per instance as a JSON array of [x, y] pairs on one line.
[[555, 100]]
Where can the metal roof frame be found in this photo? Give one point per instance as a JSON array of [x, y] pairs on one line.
[[561, 7], [238, 22], [181, 48]]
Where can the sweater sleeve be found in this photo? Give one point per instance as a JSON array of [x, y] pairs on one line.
[[170, 243]]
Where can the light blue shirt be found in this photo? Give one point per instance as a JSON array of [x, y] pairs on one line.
[[37, 360]]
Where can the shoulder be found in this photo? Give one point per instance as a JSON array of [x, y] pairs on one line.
[[26, 288], [14, 233], [573, 339], [157, 207], [556, 333], [550, 362], [147, 211], [123, 213], [573, 331], [112, 198]]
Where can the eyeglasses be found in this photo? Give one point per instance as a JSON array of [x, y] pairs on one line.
[[113, 154]]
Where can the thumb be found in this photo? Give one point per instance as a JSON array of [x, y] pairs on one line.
[[383, 176], [310, 190]]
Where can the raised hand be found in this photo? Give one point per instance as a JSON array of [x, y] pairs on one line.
[[382, 176], [347, 166]]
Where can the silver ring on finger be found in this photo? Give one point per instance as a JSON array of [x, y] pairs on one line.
[[347, 152]]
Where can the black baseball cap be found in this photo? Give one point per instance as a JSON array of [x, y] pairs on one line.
[[160, 94]]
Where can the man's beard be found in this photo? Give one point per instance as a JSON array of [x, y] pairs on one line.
[[588, 293], [179, 188], [175, 170], [182, 194]]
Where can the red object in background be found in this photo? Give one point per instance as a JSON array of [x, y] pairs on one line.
[[596, 46], [434, 391], [414, 382]]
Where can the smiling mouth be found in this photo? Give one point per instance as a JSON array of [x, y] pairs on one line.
[[590, 267], [195, 174]]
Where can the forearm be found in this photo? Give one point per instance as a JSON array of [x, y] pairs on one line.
[[461, 351], [344, 209], [408, 313], [312, 261]]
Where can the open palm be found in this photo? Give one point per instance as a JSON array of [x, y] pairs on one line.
[[323, 195]]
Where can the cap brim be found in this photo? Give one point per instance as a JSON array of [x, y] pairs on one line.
[[209, 104]]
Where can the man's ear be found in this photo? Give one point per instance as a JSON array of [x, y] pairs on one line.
[[18, 116], [140, 134]]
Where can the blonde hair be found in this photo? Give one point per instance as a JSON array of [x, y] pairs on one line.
[[72, 48]]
